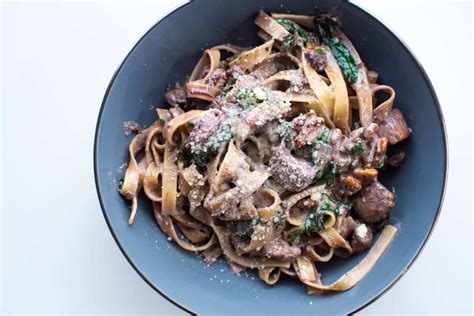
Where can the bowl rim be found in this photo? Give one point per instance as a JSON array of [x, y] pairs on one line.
[[445, 161]]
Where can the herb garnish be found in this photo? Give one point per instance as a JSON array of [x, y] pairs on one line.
[[285, 131], [331, 176], [341, 53], [201, 154], [359, 147], [246, 228], [289, 42], [382, 162], [246, 98], [294, 236], [314, 221], [321, 153], [297, 30]]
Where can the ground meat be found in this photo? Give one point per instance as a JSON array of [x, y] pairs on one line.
[[218, 78], [342, 161], [291, 173], [345, 226], [373, 203], [131, 126], [395, 127], [375, 147], [280, 249], [211, 254], [316, 60], [176, 96], [361, 238], [335, 138], [370, 131], [396, 159], [306, 129], [204, 126]]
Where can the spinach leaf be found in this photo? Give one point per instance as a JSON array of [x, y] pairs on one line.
[[245, 228], [324, 135], [314, 222], [331, 176], [297, 30], [289, 42], [246, 98], [359, 147], [285, 131], [321, 153], [341, 53], [344, 59], [211, 146], [382, 162]]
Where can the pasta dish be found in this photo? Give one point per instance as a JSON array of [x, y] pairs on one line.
[[269, 156]]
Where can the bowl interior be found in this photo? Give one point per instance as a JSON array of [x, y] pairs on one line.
[[167, 54]]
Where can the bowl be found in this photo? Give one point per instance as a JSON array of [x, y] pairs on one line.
[[166, 54]]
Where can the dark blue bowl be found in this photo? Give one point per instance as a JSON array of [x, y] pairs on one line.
[[166, 54]]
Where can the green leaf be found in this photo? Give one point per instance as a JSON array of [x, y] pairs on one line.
[[289, 42], [295, 29], [219, 138], [120, 184], [246, 98], [344, 59], [331, 173], [314, 222], [285, 131], [382, 162], [293, 238], [341, 53], [185, 155], [359, 147], [324, 135], [211, 146]]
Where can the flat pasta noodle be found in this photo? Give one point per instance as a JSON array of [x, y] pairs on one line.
[[250, 58], [341, 99], [174, 124], [269, 275], [319, 87], [382, 110], [170, 180], [270, 26], [133, 179], [353, 276]]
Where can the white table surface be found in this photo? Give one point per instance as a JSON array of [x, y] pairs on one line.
[[57, 253]]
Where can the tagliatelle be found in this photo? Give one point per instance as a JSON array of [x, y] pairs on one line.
[[259, 161]]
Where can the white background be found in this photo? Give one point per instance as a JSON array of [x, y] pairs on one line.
[[57, 252]]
